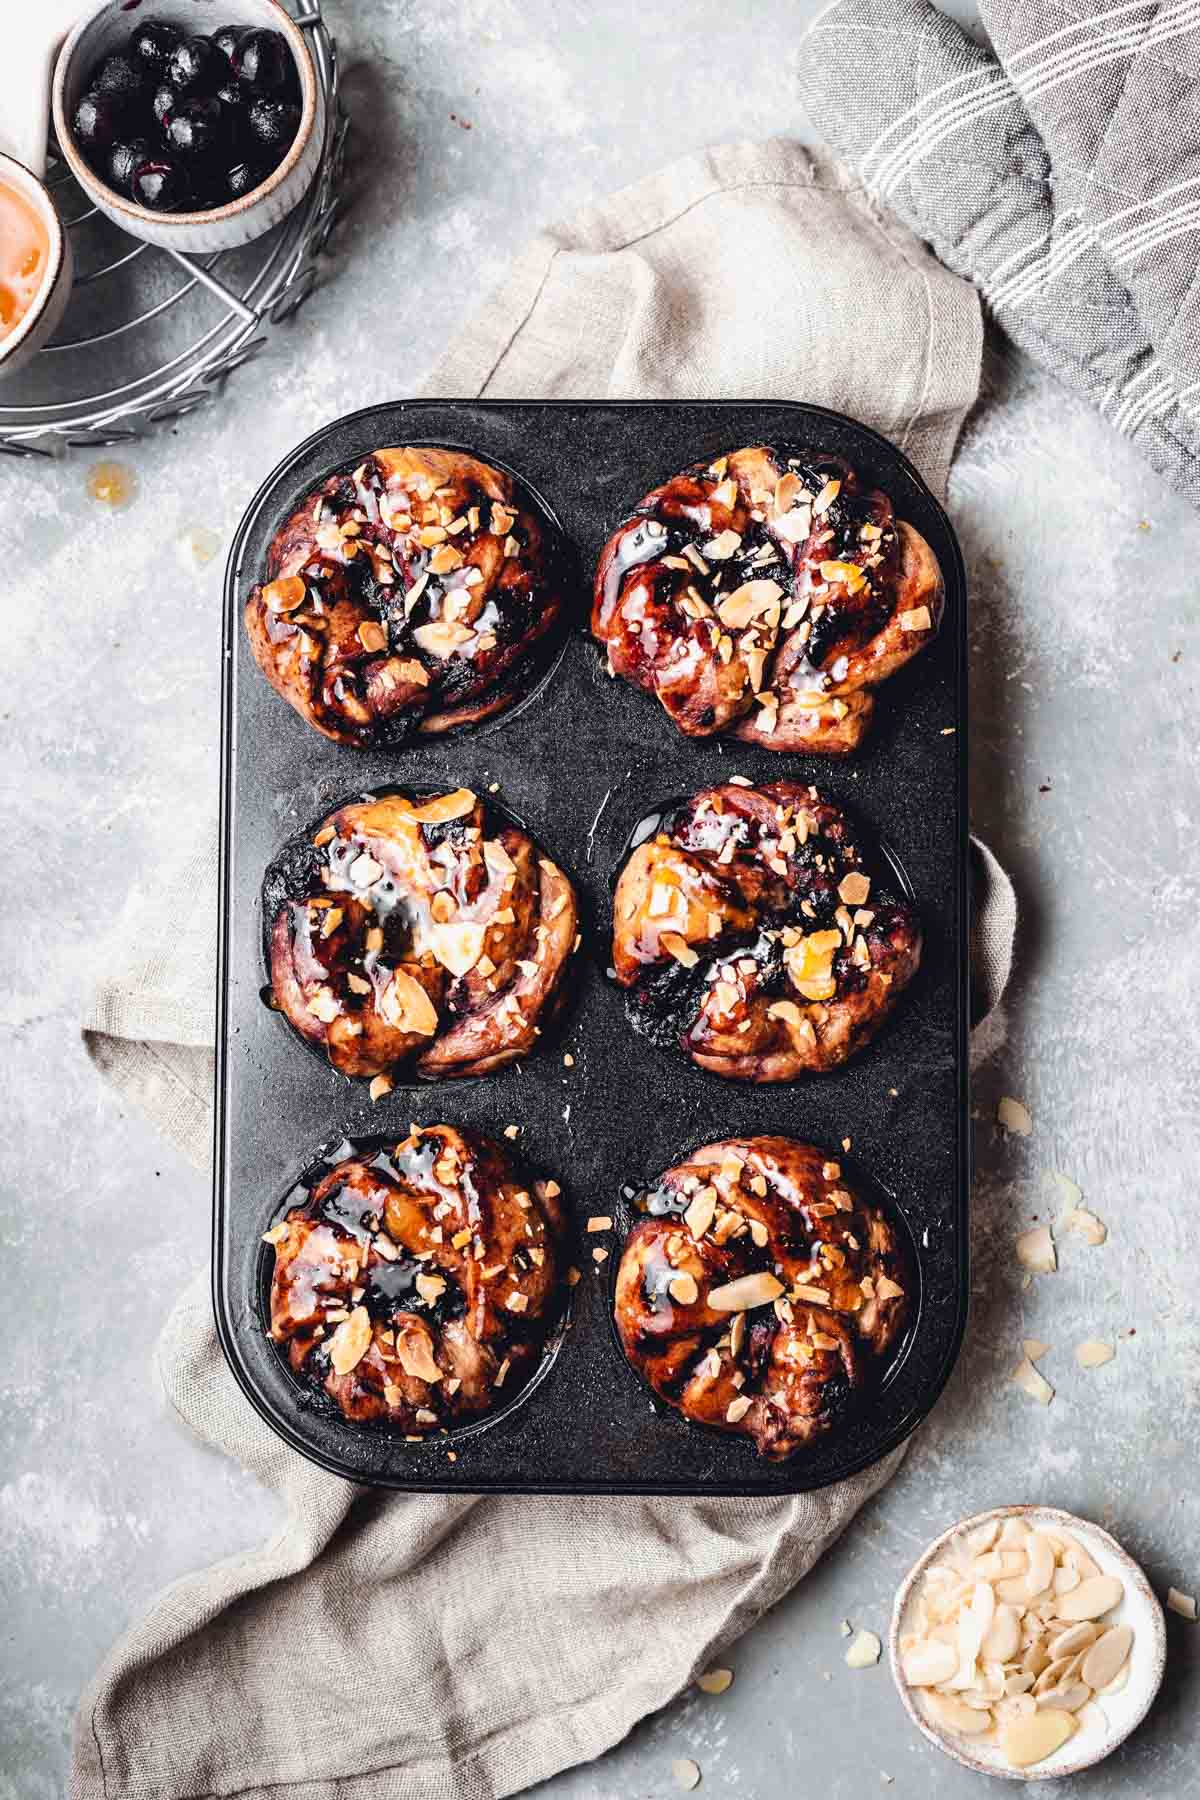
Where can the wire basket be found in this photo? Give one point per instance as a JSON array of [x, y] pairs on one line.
[[151, 334]]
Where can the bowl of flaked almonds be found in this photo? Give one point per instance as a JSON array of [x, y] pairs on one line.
[[1026, 1643]]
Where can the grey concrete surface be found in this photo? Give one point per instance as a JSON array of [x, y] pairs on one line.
[[1084, 650]]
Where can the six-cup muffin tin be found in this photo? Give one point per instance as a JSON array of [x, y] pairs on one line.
[[580, 761]]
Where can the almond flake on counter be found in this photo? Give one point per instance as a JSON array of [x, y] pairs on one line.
[[846, 1628], [1014, 1117], [1032, 1382], [864, 1651], [1035, 1251], [1183, 1604], [1093, 1354], [1034, 1348], [715, 1681], [686, 1773], [1084, 1223]]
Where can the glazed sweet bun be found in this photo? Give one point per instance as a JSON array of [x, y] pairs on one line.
[[422, 934], [750, 930], [416, 1286], [414, 595], [762, 1291], [764, 596]]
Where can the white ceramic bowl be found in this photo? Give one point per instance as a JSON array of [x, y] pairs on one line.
[[1117, 1714], [108, 28], [49, 303]]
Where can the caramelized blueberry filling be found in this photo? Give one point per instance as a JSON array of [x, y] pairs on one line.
[[408, 597], [425, 934], [750, 931], [762, 1291], [415, 1285], [765, 595]]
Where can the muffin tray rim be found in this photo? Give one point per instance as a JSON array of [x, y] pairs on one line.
[[700, 1461]]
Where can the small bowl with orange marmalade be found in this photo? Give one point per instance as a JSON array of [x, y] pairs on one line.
[[35, 266]]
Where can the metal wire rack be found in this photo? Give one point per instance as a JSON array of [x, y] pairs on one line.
[[151, 334]]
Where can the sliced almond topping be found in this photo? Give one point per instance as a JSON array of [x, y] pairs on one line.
[[826, 497], [284, 595], [457, 946], [723, 546], [351, 1341], [444, 807], [406, 1005], [679, 948], [737, 1409], [887, 1289], [372, 636], [749, 602], [854, 888], [748, 1291], [683, 1289], [441, 638], [918, 619], [699, 1215], [413, 1355], [364, 871], [381, 1085]]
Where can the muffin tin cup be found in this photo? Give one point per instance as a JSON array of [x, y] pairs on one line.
[[579, 762]]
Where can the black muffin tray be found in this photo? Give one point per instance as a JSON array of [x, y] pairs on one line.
[[580, 762]]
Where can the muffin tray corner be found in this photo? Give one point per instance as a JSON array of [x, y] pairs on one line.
[[579, 761]]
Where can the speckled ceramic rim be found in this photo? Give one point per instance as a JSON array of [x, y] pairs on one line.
[[1137, 1579], [90, 182], [24, 182]]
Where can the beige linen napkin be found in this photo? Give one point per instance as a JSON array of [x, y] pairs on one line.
[[384, 1647]]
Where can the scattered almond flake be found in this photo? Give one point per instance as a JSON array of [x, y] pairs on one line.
[[599, 1256], [351, 1341], [1014, 1117], [1034, 1348], [864, 1651], [683, 1289], [1032, 1382], [568, 1061], [846, 1628], [458, 946], [198, 546], [740, 781], [679, 948], [686, 1773], [512, 1131], [1035, 1251], [1093, 1353], [599, 1222], [918, 618], [715, 1681], [381, 1085], [737, 1409], [887, 1289], [747, 1292], [276, 1234], [1085, 1224], [1183, 1604]]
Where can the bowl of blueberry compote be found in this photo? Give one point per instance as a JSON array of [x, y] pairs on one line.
[[190, 133]]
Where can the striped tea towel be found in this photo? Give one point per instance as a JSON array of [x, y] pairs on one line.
[[1061, 175]]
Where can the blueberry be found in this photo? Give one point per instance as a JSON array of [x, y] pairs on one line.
[[164, 102], [120, 78], [263, 61], [272, 126], [196, 127], [161, 185], [152, 44], [196, 66], [235, 109], [98, 119], [226, 39], [124, 157], [243, 178]]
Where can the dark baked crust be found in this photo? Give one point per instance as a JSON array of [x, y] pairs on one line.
[[751, 931], [428, 933], [416, 1286], [764, 596], [832, 1291], [409, 596]]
